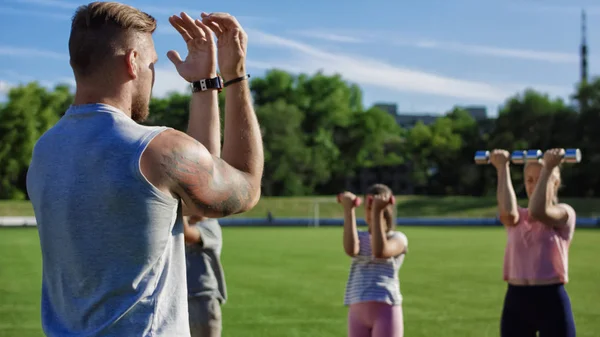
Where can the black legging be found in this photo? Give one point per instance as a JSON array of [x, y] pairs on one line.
[[530, 309]]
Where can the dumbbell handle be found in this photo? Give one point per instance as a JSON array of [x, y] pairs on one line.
[[357, 200], [520, 157], [483, 157], [571, 156]]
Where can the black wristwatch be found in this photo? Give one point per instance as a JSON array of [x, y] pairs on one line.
[[207, 84]]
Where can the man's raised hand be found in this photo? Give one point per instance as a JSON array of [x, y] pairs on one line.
[[201, 61], [232, 43]]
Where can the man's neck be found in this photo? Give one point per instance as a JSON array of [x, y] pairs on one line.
[[86, 96]]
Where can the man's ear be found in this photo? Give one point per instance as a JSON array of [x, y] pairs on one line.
[[131, 63]]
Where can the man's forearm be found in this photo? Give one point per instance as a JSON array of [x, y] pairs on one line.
[[242, 147], [204, 123]]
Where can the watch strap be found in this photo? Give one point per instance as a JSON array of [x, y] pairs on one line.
[[235, 80], [207, 84]]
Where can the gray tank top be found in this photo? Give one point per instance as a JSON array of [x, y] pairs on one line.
[[112, 244]]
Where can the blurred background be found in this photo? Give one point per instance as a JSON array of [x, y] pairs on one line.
[[348, 94]]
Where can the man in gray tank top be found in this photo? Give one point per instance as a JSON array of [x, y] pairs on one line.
[[106, 190]]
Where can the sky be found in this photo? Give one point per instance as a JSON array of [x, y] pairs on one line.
[[426, 56]]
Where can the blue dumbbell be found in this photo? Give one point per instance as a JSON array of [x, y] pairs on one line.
[[483, 157], [571, 156]]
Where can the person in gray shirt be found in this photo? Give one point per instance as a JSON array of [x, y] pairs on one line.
[[106, 190], [205, 277]]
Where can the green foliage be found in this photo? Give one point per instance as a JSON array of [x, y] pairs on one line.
[[317, 133], [31, 110], [287, 170], [170, 111]]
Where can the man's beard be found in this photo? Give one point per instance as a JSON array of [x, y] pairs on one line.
[[140, 109]]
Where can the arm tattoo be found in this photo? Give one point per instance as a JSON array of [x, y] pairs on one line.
[[214, 187]]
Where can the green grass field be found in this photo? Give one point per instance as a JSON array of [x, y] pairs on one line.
[[290, 282], [408, 206]]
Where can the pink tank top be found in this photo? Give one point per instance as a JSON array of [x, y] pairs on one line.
[[536, 253]]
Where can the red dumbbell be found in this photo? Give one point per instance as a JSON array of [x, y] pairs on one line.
[[357, 200], [392, 200]]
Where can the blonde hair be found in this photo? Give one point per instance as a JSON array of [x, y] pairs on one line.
[[100, 30], [555, 173], [389, 214]]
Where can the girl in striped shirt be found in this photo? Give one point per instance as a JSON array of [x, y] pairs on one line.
[[373, 287]]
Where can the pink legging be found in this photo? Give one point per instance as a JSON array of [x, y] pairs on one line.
[[375, 319]]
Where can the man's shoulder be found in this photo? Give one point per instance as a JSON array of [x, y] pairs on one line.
[[49, 135], [173, 157], [50, 144], [168, 134], [170, 142], [162, 145]]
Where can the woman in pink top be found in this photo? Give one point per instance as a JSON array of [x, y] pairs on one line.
[[537, 249]]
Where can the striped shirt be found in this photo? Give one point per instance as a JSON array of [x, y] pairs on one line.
[[373, 279]]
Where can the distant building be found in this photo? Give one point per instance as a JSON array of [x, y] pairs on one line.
[[408, 121], [390, 108], [479, 113]]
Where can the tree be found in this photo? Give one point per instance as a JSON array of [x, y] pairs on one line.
[[287, 159], [419, 150], [527, 121], [533, 120], [458, 137], [317, 133], [584, 179], [172, 111], [31, 110], [371, 139], [328, 106]]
